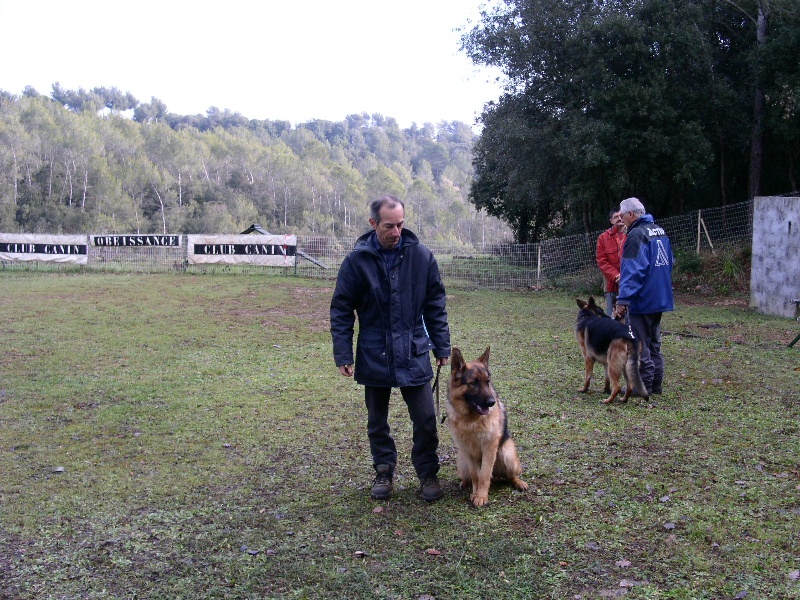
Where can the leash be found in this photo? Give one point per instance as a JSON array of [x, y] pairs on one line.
[[628, 323], [436, 390]]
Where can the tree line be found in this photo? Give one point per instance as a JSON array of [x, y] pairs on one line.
[[686, 104], [100, 161]]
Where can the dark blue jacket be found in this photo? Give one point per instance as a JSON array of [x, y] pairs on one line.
[[645, 283], [401, 314]]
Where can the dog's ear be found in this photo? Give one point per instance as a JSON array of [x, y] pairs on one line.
[[484, 358], [591, 303], [581, 303], [457, 364]]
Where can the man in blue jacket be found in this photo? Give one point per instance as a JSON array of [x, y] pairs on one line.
[[391, 282], [645, 287]]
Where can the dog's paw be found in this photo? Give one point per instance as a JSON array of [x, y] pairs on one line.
[[519, 484], [479, 500]]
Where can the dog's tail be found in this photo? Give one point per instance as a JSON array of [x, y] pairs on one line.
[[632, 373]]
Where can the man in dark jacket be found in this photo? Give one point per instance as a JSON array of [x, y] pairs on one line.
[[391, 282], [645, 287]]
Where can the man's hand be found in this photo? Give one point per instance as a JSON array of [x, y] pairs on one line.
[[346, 370], [620, 310], [440, 362]]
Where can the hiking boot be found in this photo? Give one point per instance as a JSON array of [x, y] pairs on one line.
[[656, 389], [382, 484], [430, 489]]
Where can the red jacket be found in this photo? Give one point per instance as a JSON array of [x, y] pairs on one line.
[[609, 252]]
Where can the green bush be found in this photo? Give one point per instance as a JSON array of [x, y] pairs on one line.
[[724, 271], [688, 262]]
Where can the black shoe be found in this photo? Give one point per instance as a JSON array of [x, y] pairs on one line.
[[656, 389], [382, 484], [430, 489]]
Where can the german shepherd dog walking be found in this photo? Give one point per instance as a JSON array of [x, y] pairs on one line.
[[478, 424], [609, 342]]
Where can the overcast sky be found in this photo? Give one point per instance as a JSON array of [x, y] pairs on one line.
[[266, 59]]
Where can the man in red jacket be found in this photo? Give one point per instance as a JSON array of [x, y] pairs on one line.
[[609, 252]]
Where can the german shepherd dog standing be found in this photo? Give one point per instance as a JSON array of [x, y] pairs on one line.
[[609, 342], [478, 424]]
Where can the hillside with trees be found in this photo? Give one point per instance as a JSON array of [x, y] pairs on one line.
[[100, 161], [686, 104]]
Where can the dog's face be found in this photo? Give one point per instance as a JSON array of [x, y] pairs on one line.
[[472, 381], [589, 309]]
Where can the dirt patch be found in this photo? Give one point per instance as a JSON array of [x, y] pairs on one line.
[[701, 299], [311, 306]]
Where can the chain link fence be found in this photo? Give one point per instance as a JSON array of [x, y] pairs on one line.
[[519, 266], [499, 265]]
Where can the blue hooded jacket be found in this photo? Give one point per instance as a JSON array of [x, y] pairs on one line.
[[645, 284], [401, 313]]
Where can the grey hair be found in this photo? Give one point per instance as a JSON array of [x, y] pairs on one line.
[[387, 200], [633, 205]]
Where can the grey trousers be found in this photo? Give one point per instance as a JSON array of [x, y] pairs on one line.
[[611, 300]]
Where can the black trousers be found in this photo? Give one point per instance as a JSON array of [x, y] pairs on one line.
[[419, 400], [647, 328]]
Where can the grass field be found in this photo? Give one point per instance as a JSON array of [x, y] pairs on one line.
[[173, 436]]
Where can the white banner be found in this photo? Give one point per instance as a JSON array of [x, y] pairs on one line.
[[49, 248], [250, 249]]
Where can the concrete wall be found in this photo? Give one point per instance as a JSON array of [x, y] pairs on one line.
[[775, 273]]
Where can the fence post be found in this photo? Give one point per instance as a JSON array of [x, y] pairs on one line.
[[701, 223], [538, 262], [699, 219]]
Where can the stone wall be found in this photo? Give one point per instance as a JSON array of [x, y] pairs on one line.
[[775, 272]]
